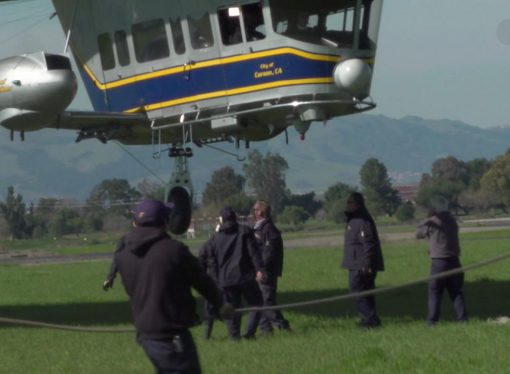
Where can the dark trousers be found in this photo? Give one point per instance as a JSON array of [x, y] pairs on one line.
[[173, 355], [452, 284], [271, 318], [210, 314], [365, 305], [250, 292]]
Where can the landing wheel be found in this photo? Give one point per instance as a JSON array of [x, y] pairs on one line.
[[180, 192], [180, 218]]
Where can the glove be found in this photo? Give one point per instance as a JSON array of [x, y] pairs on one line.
[[366, 270], [260, 277], [108, 283], [227, 311], [212, 312]]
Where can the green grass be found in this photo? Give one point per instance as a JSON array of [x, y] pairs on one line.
[[71, 244], [325, 338]]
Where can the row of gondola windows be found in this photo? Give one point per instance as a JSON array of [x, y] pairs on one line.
[[151, 42]]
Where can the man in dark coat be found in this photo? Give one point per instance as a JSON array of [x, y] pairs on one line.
[[362, 257], [442, 231], [270, 241], [236, 257], [210, 312], [158, 273]]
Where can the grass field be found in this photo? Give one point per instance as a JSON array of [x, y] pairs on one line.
[[324, 338]]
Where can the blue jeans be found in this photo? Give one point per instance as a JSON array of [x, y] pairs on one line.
[[176, 355]]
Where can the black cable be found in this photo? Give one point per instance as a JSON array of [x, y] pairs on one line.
[[140, 162]]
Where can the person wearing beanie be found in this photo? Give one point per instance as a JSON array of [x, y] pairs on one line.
[[442, 231], [362, 257], [234, 254]]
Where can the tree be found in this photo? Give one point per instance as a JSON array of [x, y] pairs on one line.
[[481, 200], [14, 212], [241, 203], [451, 169], [450, 190], [450, 177], [339, 191], [293, 215], [92, 221], [114, 195], [266, 176], [306, 201], [43, 214], [335, 198], [47, 206], [336, 211], [66, 221], [476, 169], [496, 180], [405, 212], [224, 183], [379, 194]]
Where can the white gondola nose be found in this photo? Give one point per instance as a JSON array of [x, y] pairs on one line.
[[354, 76]]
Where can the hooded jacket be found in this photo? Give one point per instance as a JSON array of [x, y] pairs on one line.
[[234, 254], [362, 247], [158, 273], [443, 233]]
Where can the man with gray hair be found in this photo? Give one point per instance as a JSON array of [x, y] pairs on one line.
[[442, 231], [270, 241]]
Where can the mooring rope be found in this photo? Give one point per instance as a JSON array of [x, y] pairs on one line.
[[356, 295], [22, 322]]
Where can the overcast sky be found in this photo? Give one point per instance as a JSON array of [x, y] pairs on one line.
[[436, 59]]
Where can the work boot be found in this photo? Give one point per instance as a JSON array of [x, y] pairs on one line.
[[266, 332], [284, 326]]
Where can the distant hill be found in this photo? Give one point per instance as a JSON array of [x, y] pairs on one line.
[[50, 163]]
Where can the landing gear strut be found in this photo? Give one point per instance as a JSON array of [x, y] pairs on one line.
[[179, 191], [21, 135]]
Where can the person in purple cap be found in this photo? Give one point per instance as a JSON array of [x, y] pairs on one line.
[[158, 274], [235, 256]]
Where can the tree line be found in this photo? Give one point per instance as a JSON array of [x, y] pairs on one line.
[[479, 185], [476, 186]]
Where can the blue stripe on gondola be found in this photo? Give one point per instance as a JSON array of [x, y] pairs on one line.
[[206, 80]]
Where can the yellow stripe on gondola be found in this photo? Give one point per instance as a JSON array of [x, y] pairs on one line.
[[236, 91], [209, 63]]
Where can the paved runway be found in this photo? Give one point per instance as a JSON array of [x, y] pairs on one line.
[[329, 241]]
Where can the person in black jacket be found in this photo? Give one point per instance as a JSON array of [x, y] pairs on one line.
[[158, 273], [210, 312], [270, 241], [442, 231], [236, 257], [362, 257]]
